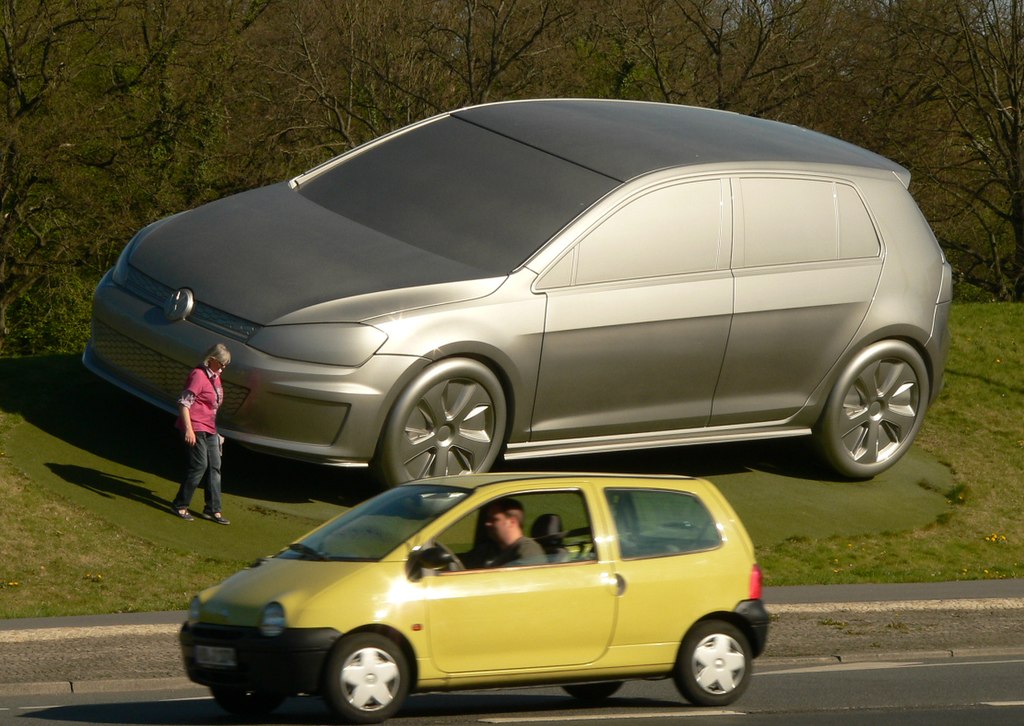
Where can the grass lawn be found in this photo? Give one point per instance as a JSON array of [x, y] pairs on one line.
[[87, 474]]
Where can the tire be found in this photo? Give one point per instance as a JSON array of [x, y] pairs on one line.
[[593, 692], [366, 679], [249, 704], [450, 420], [874, 411], [714, 664]]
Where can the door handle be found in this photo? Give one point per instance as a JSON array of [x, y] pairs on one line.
[[620, 585]]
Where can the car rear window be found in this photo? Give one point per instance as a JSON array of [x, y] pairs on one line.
[[461, 192]]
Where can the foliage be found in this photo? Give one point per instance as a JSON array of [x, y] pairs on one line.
[[118, 112]]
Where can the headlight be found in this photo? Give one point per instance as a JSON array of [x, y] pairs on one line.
[[194, 609], [272, 620], [121, 268], [336, 344]]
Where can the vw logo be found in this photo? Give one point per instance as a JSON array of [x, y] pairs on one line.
[[179, 304]]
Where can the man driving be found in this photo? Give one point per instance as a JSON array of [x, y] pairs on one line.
[[508, 545]]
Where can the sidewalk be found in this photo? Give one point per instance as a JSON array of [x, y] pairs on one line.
[[819, 624]]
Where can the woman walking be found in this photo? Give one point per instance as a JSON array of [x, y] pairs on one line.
[[197, 420]]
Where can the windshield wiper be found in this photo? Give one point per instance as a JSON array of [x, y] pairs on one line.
[[307, 551]]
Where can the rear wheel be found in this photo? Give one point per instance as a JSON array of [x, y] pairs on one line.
[[875, 410], [246, 703], [714, 664], [449, 420], [593, 692], [366, 678]]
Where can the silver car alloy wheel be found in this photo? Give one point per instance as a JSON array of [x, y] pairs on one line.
[[449, 420], [875, 409], [370, 679]]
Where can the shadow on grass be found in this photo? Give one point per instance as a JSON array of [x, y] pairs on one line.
[[792, 458], [110, 486], [103, 444], [58, 396]]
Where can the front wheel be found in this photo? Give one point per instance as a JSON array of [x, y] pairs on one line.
[[714, 664], [366, 678], [875, 410], [449, 420], [246, 703]]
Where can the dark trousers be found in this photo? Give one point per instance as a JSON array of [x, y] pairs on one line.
[[203, 468]]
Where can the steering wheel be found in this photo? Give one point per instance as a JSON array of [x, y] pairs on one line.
[[454, 564]]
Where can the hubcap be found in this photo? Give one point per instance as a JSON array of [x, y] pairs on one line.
[[719, 664], [370, 679], [880, 410], [450, 431]]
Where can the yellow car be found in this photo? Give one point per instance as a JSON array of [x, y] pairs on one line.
[[491, 580]]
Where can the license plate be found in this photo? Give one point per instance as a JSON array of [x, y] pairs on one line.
[[215, 657]]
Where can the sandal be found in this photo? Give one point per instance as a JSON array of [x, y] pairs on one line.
[[182, 514]]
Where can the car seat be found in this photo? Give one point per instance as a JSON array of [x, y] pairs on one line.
[[548, 533]]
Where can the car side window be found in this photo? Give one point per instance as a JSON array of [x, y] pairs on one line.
[[557, 521], [655, 523], [788, 221], [672, 230]]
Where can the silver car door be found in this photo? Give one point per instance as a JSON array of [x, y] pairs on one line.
[[807, 262], [638, 317]]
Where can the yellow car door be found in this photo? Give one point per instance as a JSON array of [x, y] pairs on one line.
[[520, 617]]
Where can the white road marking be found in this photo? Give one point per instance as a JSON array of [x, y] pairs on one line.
[[611, 716]]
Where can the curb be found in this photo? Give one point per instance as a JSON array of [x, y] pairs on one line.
[[100, 686], [888, 656]]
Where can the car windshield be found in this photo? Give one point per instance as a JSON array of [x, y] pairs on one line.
[[379, 525], [460, 192]]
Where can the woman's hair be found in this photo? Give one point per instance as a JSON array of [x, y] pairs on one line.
[[219, 353]]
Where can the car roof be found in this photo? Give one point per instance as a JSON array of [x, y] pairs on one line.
[[624, 139]]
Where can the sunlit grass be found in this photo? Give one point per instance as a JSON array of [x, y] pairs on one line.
[[56, 559]]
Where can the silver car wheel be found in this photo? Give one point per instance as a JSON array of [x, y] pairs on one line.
[[713, 666], [875, 410], [366, 678], [450, 420]]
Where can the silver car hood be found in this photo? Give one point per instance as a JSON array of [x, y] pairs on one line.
[[269, 253]]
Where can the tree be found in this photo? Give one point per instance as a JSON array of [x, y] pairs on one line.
[[973, 52], [47, 48], [758, 57]]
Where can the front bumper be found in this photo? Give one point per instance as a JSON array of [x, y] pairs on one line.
[[288, 664], [313, 412], [756, 617]]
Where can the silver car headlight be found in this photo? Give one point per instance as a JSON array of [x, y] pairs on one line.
[[336, 344], [121, 268], [272, 622]]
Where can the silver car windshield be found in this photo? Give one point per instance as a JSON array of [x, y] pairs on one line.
[[377, 526], [460, 192]]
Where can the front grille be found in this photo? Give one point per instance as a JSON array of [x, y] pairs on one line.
[[154, 372], [207, 632], [152, 291]]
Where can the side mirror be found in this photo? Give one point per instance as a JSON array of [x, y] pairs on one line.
[[434, 558]]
